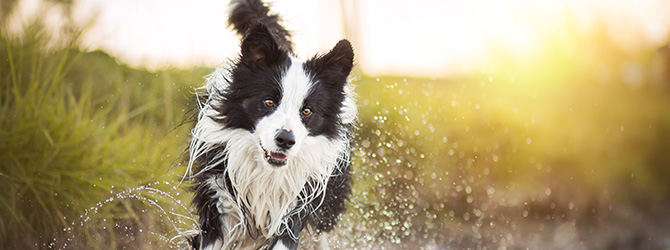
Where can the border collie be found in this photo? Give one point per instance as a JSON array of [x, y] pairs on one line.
[[269, 154]]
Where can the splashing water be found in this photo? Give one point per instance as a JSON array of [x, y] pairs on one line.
[[437, 165], [467, 164], [148, 216]]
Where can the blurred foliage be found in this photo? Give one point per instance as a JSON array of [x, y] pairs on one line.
[[566, 148], [467, 162], [76, 126], [7, 7]]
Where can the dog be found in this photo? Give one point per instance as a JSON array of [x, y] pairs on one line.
[[270, 152]]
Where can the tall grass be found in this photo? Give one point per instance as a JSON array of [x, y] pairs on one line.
[[76, 126]]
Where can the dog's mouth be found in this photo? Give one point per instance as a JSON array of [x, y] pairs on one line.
[[277, 159]]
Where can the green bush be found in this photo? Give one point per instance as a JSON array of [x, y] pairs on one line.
[[76, 127]]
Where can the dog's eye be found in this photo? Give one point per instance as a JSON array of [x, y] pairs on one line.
[[269, 103], [306, 112]]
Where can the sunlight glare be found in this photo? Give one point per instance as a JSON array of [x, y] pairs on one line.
[[429, 38]]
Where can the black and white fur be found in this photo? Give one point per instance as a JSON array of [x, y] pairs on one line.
[[269, 154]]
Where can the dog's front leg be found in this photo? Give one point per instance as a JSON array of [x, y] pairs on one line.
[[285, 245], [285, 241]]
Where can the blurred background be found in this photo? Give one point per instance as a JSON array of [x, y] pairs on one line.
[[483, 124]]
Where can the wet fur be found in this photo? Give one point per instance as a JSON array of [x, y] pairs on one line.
[[242, 201]]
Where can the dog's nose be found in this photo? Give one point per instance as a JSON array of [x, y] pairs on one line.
[[285, 139]]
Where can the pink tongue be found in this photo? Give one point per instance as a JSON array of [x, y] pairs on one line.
[[278, 156]]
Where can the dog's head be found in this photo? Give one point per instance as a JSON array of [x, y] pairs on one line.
[[283, 101]]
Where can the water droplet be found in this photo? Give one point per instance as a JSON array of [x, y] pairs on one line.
[[490, 190]]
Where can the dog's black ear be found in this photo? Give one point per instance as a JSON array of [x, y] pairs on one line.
[[334, 67], [259, 47]]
